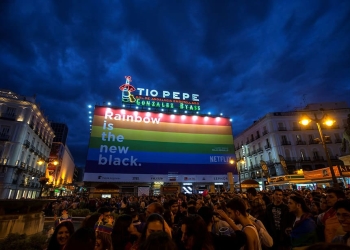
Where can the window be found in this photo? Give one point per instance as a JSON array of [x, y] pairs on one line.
[[284, 139], [258, 134], [4, 130], [10, 112]]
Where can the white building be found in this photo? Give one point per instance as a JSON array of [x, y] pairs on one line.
[[25, 144], [278, 136]]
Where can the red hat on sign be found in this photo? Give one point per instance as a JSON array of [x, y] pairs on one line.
[[205, 192]]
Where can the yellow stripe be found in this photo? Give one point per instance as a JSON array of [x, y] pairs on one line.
[[163, 136], [167, 127]]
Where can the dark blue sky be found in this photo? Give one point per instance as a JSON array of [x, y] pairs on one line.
[[243, 58]]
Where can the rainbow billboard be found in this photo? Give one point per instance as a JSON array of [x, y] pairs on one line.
[[140, 146]]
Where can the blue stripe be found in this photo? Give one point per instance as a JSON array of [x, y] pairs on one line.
[[164, 158], [158, 168]]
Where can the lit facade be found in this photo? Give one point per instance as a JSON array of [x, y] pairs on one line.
[[25, 143], [278, 136]]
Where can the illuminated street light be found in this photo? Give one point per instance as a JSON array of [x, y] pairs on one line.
[[40, 162], [329, 122], [232, 161]]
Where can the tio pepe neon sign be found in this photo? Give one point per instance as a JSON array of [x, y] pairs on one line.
[[151, 98]]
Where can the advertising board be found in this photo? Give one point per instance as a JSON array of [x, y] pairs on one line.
[[140, 146]]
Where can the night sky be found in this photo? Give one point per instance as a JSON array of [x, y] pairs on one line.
[[243, 58]]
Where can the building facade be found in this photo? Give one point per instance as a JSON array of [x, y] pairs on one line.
[[288, 148], [61, 165], [25, 144]]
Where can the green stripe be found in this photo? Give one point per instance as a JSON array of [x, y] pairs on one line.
[[164, 136], [165, 146]]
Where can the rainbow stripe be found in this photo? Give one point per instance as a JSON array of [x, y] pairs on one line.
[[160, 143]]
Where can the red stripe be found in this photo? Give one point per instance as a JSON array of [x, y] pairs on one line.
[[171, 118]]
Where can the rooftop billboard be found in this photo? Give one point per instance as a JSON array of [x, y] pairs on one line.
[[139, 146]]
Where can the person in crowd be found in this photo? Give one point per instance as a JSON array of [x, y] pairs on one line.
[[236, 213], [303, 233], [332, 227], [158, 241], [61, 235], [124, 233], [64, 217], [90, 220], [342, 208], [154, 223], [191, 206], [194, 234], [199, 204], [103, 241], [257, 205], [277, 219], [227, 239], [83, 238]]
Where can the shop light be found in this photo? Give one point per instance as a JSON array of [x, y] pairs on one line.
[[187, 183], [89, 106]]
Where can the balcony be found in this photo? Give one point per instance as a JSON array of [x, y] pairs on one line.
[[290, 159], [26, 143], [301, 143], [8, 116], [305, 159], [32, 148], [282, 128], [265, 132], [36, 152], [296, 128], [338, 141], [314, 141], [267, 146], [23, 165], [4, 137], [254, 152], [259, 150], [318, 158], [286, 143]]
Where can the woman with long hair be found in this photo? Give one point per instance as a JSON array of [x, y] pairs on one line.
[[195, 235], [124, 234], [61, 235], [154, 223]]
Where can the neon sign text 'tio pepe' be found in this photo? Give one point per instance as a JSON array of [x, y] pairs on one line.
[[156, 99]]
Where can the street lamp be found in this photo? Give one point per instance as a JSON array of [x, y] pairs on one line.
[[329, 122], [232, 161]]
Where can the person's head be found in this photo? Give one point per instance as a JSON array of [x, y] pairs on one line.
[[158, 241], [333, 195], [297, 205], [323, 204], [315, 207], [194, 232], [154, 223], [122, 229], [183, 207], [251, 192], [61, 235], [342, 207], [103, 241], [154, 208], [277, 196], [199, 204], [236, 209], [173, 206], [90, 220], [206, 213], [83, 238], [106, 212]]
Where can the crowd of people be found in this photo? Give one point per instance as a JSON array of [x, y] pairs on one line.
[[253, 220]]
